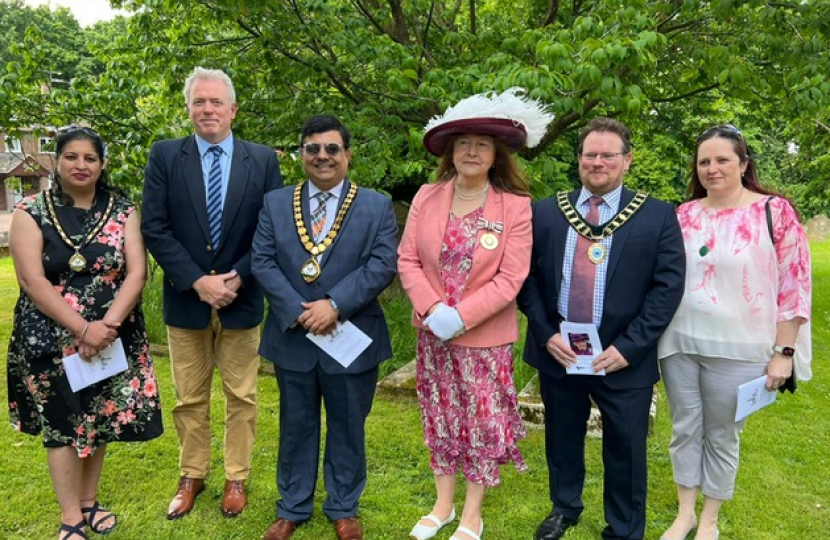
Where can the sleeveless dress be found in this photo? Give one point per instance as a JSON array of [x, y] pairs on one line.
[[468, 401], [124, 407]]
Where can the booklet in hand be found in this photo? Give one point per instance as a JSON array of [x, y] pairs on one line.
[[108, 362]]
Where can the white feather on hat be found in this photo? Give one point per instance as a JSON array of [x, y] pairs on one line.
[[527, 112]]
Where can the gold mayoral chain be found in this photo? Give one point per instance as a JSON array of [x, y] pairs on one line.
[[311, 268], [77, 262], [596, 251]]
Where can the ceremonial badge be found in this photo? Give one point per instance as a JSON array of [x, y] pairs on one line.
[[489, 241], [310, 270], [596, 253], [77, 262]]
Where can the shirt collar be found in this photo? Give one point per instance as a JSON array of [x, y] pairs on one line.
[[334, 192], [612, 198], [226, 145]]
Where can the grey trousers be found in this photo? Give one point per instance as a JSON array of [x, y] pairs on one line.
[[705, 442]]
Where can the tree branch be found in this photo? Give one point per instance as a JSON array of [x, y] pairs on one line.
[[826, 127], [553, 11], [687, 94], [367, 13], [400, 32]]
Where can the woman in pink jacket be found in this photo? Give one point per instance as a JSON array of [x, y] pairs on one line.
[[464, 256]]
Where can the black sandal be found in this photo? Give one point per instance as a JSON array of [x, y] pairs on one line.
[[95, 524], [73, 530]]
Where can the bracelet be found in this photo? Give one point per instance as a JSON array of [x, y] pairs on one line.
[[83, 332]]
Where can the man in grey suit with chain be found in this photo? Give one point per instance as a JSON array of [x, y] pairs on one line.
[[323, 252]]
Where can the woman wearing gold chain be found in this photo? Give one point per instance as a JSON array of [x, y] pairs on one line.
[[464, 256], [81, 267]]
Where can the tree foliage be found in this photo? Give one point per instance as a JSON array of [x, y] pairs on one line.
[[667, 68]]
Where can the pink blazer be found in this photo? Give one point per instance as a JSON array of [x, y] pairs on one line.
[[488, 303]]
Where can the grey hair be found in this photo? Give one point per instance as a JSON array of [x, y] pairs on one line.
[[208, 74]]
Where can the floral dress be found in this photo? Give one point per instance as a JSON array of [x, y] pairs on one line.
[[124, 407], [468, 401]]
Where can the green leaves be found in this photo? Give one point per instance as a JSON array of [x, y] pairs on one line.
[[385, 68]]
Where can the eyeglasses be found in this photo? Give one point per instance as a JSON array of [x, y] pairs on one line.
[[606, 156], [314, 148]]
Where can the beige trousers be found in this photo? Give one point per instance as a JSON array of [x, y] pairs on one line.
[[193, 356]]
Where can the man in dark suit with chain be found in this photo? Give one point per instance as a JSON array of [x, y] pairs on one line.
[[606, 256], [323, 252], [202, 196]]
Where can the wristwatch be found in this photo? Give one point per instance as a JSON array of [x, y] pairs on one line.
[[334, 305], [785, 351]]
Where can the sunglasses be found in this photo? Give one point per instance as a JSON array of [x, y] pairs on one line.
[[75, 127], [723, 129], [314, 148]]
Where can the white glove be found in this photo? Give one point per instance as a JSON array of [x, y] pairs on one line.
[[445, 322]]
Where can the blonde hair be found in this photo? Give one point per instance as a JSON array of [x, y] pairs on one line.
[[204, 74]]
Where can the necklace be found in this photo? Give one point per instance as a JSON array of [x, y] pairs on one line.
[[77, 262], [470, 196], [311, 268]]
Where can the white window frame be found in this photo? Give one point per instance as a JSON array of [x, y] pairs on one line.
[[43, 141], [14, 144]]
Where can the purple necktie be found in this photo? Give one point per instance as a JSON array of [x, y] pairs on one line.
[[581, 300]]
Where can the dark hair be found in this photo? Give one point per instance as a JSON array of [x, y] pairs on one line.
[[322, 123], [504, 175], [604, 124], [66, 135], [749, 179]]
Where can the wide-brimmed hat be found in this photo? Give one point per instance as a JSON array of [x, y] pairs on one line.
[[516, 120]]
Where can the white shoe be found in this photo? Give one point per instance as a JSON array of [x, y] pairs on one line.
[[469, 533], [425, 532]]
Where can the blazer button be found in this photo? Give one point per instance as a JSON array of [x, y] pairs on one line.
[[209, 247], [213, 272]]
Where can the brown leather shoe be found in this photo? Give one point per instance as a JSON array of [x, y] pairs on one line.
[[280, 529], [182, 503], [348, 529], [234, 500]]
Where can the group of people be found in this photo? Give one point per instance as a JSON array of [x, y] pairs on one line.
[[718, 290]]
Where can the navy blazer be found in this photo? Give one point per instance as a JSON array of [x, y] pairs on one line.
[[356, 268], [175, 228], [644, 285]]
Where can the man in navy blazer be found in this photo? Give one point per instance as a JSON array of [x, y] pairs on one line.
[[202, 196], [637, 276], [323, 252]]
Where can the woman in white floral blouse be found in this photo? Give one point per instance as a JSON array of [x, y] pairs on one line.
[[746, 301]]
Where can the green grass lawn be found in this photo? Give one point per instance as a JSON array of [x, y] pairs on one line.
[[783, 491]]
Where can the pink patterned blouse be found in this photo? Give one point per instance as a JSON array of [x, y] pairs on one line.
[[739, 284]]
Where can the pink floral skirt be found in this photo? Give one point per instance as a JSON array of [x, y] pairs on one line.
[[469, 408]]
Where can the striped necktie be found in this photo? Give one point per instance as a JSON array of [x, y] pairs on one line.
[[214, 196], [581, 299], [318, 217]]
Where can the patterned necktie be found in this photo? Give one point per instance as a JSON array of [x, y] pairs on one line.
[[214, 197], [581, 299], [318, 217]]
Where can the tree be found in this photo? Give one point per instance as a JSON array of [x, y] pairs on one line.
[[385, 67]]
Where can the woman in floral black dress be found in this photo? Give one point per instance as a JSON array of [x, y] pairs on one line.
[[81, 266]]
